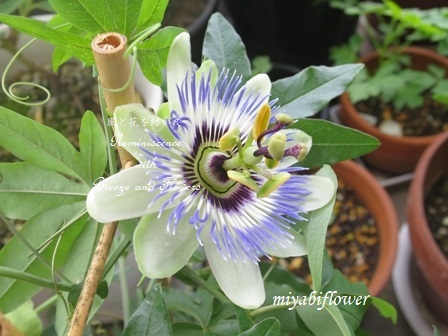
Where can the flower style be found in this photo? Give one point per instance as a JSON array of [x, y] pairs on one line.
[[212, 172]]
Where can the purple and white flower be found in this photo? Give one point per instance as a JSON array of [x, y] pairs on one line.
[[228, 184]]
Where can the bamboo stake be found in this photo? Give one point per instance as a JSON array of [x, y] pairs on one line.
[[114, 71]]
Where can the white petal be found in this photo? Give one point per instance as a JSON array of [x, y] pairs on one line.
[[240, 281], [178, 63], [322, 190], [118, 197], [160, 254], [258, 84], [297, 247], [131, 122]]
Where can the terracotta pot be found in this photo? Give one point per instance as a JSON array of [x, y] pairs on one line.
[[378, 202], [7, 329], [396, 154], [431, 262]]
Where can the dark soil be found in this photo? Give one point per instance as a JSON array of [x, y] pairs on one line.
[[352, 240], [182, 13], [431, 118], [436, 207]]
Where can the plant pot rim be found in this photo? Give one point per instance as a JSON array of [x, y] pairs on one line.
[[416, 209], [350, 109], [365, 184]]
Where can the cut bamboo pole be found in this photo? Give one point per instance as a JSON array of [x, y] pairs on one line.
[[114, 72]]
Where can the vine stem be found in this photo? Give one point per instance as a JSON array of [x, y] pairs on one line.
[[113, 71], [267, 309]]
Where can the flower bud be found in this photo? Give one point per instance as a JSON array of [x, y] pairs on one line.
[[276, 146], [284, 119]]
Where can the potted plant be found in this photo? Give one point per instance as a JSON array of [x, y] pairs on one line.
[[399, 97], [379, 204], [229, 143], [362, 236], [426, 230]]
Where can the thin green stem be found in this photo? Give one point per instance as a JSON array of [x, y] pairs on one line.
[[108, 132], [115, 255], [151, 284], [125, 301], [9, 91], [46, 304], [192, 275], [267, 309], [16, 233], [34, 279], [61, 230]]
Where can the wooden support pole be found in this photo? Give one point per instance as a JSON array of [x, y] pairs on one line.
[[114, 72]]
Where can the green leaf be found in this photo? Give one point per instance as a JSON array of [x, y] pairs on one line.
[[243, 318], [36, 231], [224, 46], [334, 143], [188, 303], [186, 329], [268, 327], [26, 190], [9, 6], [38, 144], [385, 308], [153, 53], [92, 145], [91, 16], [277, 294], [75, 268], [26, 319], [127, 17], [224, 328], [315, 230], [307, 92], [353, 313], [78, 46], [280, 276], [321, 322], [151, 318], [335, 313], [150, 13]]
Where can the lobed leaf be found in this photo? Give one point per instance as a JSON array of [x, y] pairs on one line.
[[36, 231], [38, 144], [26, 190], [76, 45], [153, 53]]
